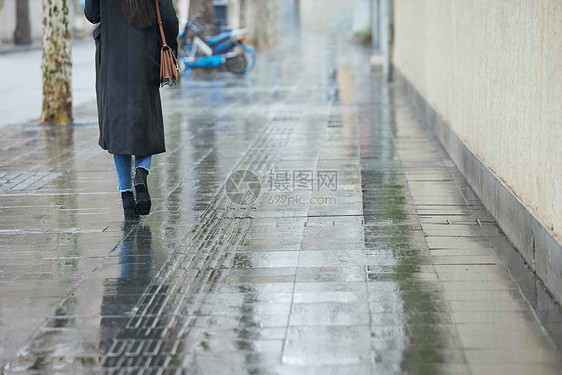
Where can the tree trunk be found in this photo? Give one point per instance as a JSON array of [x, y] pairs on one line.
[[1, 5], [262, 21], [205, 7], [22, 34], [56, 64]]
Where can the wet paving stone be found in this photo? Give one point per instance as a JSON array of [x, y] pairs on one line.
[[330, 345], [364, 253]]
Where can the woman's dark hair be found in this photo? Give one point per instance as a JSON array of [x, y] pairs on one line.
[[138, 13]]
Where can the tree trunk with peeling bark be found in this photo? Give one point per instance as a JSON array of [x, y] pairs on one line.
[[206, 7], [56, 64], [262, 20]]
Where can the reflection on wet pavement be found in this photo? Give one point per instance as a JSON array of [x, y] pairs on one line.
[[365, 251]]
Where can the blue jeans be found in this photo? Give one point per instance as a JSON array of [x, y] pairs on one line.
[[123, 166]]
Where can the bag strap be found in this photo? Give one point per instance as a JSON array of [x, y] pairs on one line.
[[164, 44]]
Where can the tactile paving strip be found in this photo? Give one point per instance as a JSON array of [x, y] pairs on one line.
[[155, 333]]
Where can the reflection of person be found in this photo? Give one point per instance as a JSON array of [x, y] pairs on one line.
[[122, 293], [127, 87]]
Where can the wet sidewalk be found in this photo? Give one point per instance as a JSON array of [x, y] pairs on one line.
[[304, 222]]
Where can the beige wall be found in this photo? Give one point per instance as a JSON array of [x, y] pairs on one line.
[[493, 70]]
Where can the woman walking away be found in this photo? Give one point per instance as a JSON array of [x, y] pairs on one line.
[[127, 86]]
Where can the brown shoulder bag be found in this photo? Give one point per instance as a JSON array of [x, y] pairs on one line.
[[169, 70]]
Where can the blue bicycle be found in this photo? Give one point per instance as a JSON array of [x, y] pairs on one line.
[[225, 49]]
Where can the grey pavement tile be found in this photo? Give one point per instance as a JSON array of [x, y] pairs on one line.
[[432, 187], [435, 355], [312, 369], [392, 258], [262, 275], [449, 210], [404, 289], [446, 368], [331, 345], [35, 288], [219, 321], [327, 243], [407, 279], [458, 243], [485, 295], [466, 259], [342, 235], [406, 318], [416, 304], [515, 368], [353, 209], [485, 230], [448, 199], [350, 273], [501, 339], [479, 285], [442, 319], [335, 222], [280, 212], [407, 284], [507, 305], [409, 221], [513, 326], [331, 258], [252, 243], [386, 320], [427, 176], [259, 288], [447, 220], [39, 238], [232, 363], [266, 259], [392, 240], [410, 269], [252, 306], [422, 335], [469, 251], [246, 333], [329, 314], [336, 292], [471, 272], [11, 272], [240, 347], [397, 230], [538, 356]]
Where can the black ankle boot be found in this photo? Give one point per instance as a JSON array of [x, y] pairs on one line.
[[129, 209], [143, 202]]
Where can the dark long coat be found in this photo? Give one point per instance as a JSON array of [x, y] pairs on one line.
[[127, 70]]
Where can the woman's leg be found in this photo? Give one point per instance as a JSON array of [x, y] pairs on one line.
[[123, 168], [142, 167], [143, 162]]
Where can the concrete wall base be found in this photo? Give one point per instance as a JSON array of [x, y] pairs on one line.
[[536, 244]]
